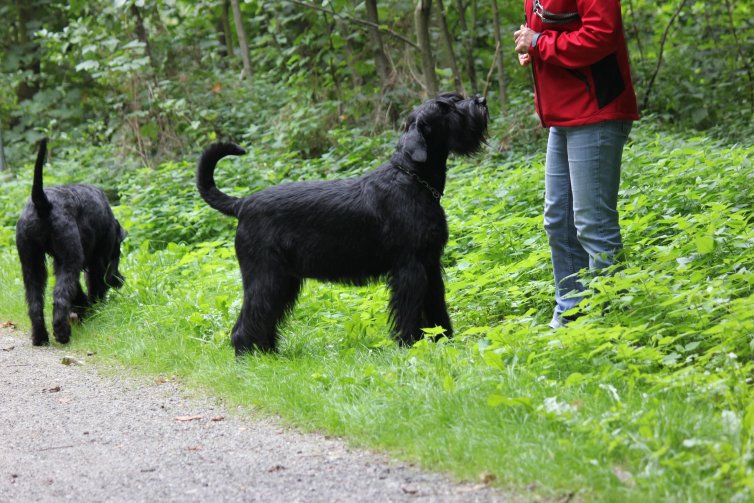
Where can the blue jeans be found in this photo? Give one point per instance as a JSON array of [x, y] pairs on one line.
[[582, 175]]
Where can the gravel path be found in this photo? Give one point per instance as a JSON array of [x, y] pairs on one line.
[[68, 432]]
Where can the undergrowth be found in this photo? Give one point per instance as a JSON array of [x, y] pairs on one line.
[[647, 395]]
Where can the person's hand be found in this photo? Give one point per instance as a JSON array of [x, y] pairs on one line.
[[523, 38], [524, 59]]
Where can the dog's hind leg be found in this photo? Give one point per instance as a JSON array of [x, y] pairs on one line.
[[435, 310], [64, 295], [408, 284], [35, 281], [68, 263], [267, 299]]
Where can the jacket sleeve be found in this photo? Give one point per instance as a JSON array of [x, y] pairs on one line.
[[596, 38]]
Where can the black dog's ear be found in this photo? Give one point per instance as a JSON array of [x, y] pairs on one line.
[[445, 105], [415, 145]]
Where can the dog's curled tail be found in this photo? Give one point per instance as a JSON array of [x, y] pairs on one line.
[[205, 178], [38, 196]]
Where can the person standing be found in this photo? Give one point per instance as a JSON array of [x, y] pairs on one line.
[[583, 93]]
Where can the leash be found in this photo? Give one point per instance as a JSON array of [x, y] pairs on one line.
[[435, 193]]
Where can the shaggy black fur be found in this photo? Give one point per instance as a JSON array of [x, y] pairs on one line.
[[388, 222], [75, 225]]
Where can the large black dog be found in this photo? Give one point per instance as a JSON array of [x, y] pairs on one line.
[[75, 225], [388, 222]]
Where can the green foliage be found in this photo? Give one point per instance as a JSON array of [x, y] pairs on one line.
[[161, 204], [15, 194], [69, 164], [164, 207], [647, 395], [159, 79], [710, 46]]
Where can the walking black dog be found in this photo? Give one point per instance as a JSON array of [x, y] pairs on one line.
[[388, 222], [75, 225]]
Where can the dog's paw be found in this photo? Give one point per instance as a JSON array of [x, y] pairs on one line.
[[40, 340], [117, 280], [62, 332]]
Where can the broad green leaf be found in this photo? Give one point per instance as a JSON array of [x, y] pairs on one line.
[[704, 244]]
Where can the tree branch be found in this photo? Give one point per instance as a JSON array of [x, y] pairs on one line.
[[357, 21], [645, 102]]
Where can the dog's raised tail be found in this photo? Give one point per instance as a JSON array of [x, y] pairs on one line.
[[38, 196], [205, 178]]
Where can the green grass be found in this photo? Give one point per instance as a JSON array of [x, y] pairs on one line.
[[647, 396]]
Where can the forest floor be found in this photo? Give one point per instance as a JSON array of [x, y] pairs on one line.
[[74, 430]]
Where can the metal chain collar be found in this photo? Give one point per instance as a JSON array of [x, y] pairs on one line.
[[435, 193], [548, 17]]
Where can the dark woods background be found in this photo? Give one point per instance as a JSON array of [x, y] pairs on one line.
[[159, 79]]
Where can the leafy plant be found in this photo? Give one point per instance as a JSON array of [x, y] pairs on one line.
[[647, 395]]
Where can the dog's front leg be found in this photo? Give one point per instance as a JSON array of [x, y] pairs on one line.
[[80, 304], [435, 310], [95, 281], [408, 283]]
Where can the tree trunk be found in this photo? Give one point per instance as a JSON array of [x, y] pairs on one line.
[[448, 39], [746, 60], [422, 15], [141, 35], [225, 33], [28, 87], [636, 31], [3, 164], [499, 59], [331, 65], [468, 44], [242, 41], [378, 49], [356, 79]]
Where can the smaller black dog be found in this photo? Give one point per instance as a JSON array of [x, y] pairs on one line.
[[388, 222], [76, 227]]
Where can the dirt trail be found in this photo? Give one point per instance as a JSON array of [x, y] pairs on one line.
[[68, 432]]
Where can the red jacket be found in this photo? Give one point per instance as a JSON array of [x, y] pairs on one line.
[[580, 62]]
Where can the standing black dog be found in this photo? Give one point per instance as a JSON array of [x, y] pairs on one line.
[[75, 225], [388, 222]]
